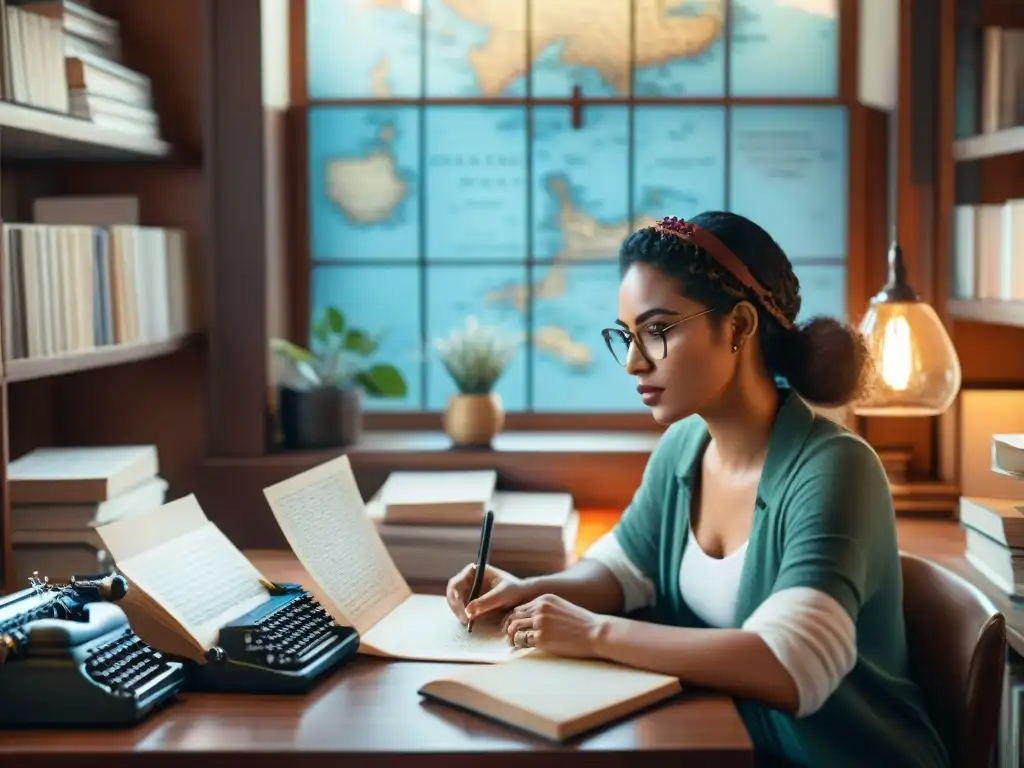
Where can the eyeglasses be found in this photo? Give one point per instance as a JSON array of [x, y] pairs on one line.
[[650, 340]]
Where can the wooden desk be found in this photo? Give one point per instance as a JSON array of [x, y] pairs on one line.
[[369, 714]]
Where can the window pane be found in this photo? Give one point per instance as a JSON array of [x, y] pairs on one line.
[[476, 183], [789, 174], [383, 302], [679, 161], [822, 290], [363, 195], [579, 43], [475, 48], [679, 49], [784, 48], [572, 369], [359, 49], [580, 185], [456, 292]]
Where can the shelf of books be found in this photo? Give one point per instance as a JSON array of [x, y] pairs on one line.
[[79, 297], [994, 528], [66, 94], [987, 275]]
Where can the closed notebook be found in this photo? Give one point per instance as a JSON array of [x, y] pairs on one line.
[[552, 697]]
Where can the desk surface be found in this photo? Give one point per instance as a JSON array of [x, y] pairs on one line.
[[369, 713]]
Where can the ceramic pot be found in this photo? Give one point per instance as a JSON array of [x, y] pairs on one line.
[[473, 420], [321, 418]]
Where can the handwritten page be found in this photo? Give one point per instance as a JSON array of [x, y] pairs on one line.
[[324, 519], [423, 628], [194, 574], [322, 514]]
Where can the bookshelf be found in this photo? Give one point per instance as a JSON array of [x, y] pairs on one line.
[[31, 133], [144, 380], [984, 163]]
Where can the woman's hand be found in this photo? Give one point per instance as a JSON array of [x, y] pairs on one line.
[[556, 626], [500, 591]]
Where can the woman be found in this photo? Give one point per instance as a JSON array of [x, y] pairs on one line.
[[761, 543]]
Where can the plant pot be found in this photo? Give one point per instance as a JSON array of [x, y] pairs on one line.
[[320, 418], [473, 420]]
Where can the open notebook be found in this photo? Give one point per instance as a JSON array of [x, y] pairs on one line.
[[186, 578], [322, 514], [552, 697]]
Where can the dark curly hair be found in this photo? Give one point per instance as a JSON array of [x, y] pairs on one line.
[[825, 361]]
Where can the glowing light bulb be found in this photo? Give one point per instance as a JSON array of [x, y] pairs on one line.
[[895, 359]]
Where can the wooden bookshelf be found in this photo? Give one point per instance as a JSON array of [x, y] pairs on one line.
[[26, 370], [29, 133], [994, 311], [996, 144], [150, 392]]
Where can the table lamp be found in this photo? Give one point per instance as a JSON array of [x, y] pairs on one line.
[[916, 367]]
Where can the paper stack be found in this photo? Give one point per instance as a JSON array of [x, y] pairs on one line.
[[436, 529], [59, 496]]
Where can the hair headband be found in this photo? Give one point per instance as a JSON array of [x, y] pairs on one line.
[[700, 237]]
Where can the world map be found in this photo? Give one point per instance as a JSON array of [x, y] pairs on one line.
[[421, 215]]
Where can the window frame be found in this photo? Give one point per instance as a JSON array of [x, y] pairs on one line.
[[300, 265]]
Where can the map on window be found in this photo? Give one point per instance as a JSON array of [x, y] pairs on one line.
[[784, 48], [788, 173], [364, 183], [475, 184], [492, 48]]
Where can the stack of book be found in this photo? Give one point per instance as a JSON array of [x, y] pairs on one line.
[[430, 523], [69, 289], [994, 528], [59, 496], [63, 56]]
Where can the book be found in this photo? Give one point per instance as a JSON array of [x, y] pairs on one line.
[[186, 579], [534, 533], [447, 498], [1002, 566], [999, 519], [552, 697], [1008, 454], [79, 475], [324, 519]]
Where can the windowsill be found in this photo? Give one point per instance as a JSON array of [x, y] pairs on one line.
[[601, 469], [397, 442]]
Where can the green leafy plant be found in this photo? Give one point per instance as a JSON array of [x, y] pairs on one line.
[[476, 356], [338, 356]]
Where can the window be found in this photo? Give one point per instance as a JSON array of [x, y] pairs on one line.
[[486, 158]]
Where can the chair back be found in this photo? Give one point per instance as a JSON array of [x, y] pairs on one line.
[[956, 640]]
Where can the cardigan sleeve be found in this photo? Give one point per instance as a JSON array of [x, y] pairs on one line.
[[838, 514]]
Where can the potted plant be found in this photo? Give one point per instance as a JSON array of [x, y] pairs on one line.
[[320, 389], [475, 356]]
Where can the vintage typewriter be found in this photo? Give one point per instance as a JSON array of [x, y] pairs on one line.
[[286, 645], [69, 658]]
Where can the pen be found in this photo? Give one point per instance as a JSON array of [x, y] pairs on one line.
[[481, 560]]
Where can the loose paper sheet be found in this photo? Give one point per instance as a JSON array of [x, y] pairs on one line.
[[322, 514], [185, 564]]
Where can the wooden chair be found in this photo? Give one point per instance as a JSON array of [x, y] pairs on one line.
[[957, 644]]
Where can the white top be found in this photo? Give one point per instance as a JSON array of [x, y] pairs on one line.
[[710, 585]]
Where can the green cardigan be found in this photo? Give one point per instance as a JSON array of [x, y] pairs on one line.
[[824, 519]]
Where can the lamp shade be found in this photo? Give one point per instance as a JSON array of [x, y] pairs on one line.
[[916, 367]]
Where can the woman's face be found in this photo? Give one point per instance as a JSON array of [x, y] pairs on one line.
[[698, 361]]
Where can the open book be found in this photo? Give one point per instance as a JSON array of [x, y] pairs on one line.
[[186, 578], [322, 514], [552, 697]]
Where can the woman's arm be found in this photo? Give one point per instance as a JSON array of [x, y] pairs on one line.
[[588, 583], [734, 661]]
